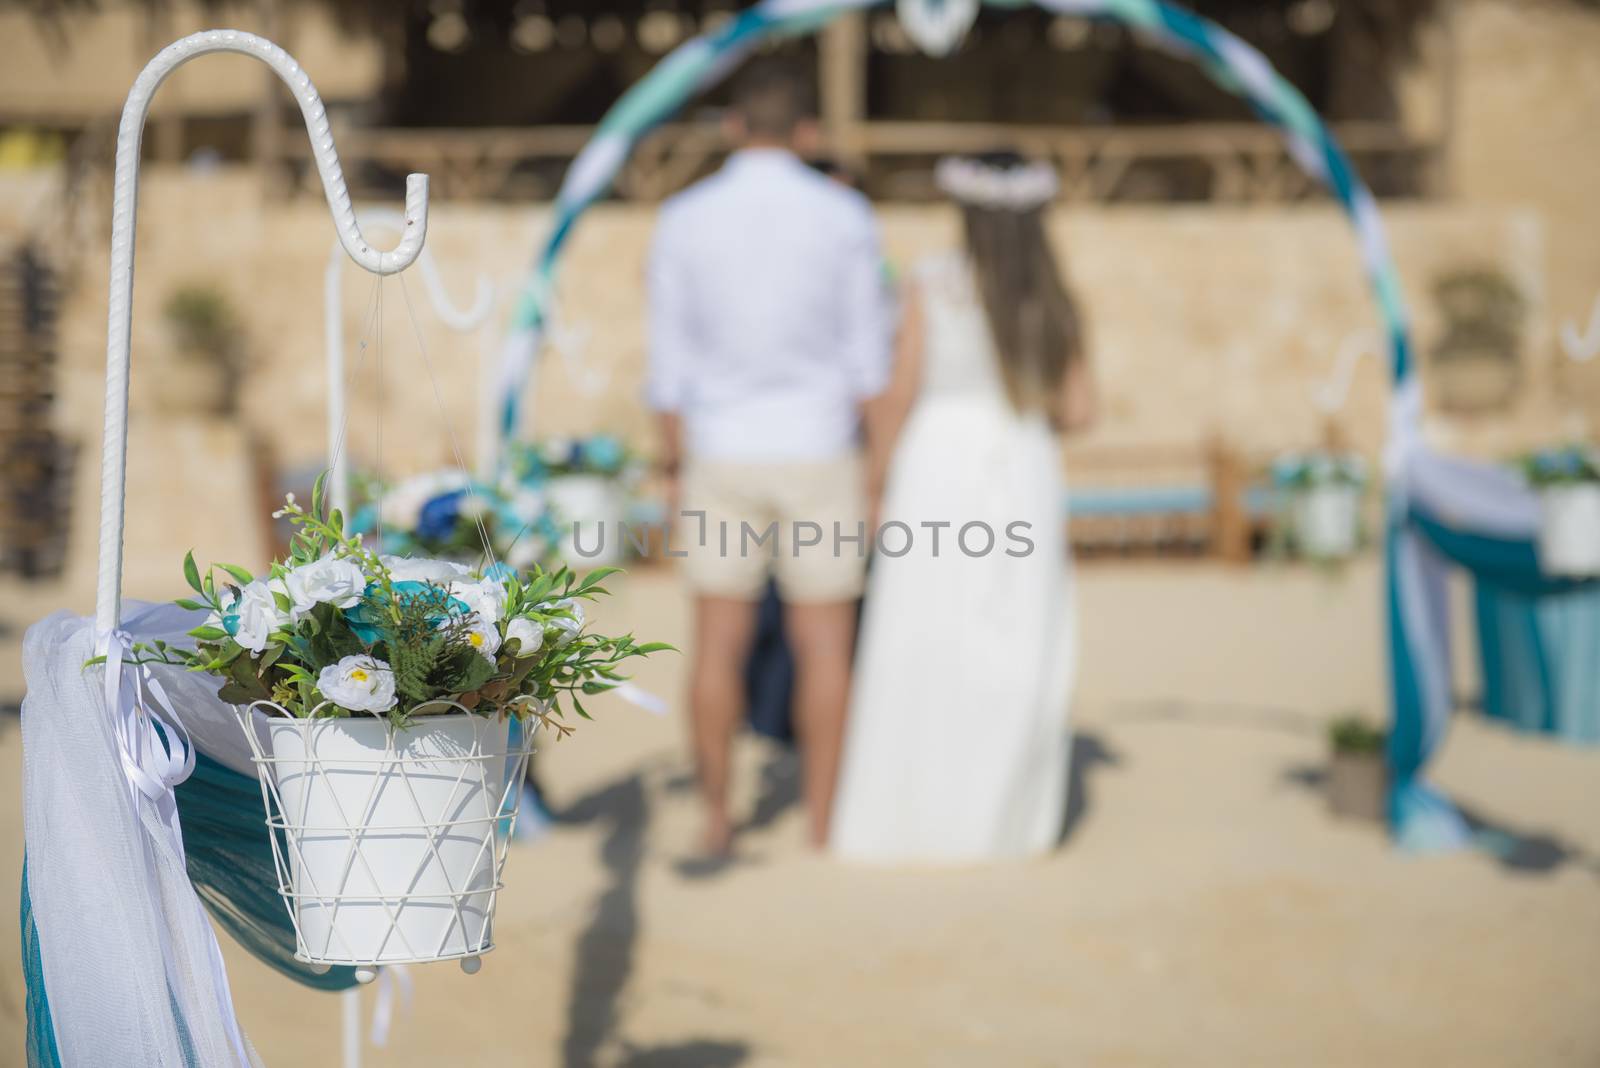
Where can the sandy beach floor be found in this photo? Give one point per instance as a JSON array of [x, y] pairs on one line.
[[1204, 909]]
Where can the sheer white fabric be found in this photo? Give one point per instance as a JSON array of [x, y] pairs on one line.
[[131, 964], [957, 744]]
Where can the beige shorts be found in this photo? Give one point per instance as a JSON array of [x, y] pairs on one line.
[[804, 522]]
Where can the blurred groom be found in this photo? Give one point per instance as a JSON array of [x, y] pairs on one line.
[[769, 332]]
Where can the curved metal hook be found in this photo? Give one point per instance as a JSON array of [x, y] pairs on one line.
[[462, 322], [1329, 396], [1581, 348], [130, 134]]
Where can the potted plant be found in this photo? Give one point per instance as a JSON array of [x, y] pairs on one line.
[[1568, 483], [390, 702], [1357, 775], [206, 333], [1322, 495], [586, 484]]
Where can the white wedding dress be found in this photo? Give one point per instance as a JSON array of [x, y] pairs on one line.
[[957, 744]]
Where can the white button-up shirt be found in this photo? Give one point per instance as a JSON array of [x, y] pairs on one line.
[[770, 319]]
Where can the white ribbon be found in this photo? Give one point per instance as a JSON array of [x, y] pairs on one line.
[[393, 981], [651, 703], [156, 752]]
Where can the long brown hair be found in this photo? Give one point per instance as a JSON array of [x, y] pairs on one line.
[[1033, 319]]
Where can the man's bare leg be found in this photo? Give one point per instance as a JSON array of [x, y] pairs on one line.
[[822, 637], [724, 630]]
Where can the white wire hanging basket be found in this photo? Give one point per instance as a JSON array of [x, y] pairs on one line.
[[389, 843]]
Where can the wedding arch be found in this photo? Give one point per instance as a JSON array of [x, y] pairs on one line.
[[1472, 514]]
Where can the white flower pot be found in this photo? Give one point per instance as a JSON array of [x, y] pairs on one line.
[[589, 510], [1569, 529], [1327, 520], [394, 840]]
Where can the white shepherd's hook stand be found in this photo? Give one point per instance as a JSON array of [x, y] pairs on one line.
[[462, 322], [1331, 395], [119, 319], [114, 448], [1584, 347]]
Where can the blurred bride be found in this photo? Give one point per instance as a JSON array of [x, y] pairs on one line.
[[957, 742]]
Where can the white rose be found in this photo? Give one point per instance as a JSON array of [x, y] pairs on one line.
[[486, 597], [259, 614], [334, 580], [423, 569], [528, 634], [527, 505], [358, 683], [567, 629], [483, 635], [556, 451], [473, 506], [402, 505]]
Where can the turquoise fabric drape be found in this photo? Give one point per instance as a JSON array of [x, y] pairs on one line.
[[1538, 635], [40, 1042], [230, 863]]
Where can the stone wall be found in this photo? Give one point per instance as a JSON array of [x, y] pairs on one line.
[[1203, 320]]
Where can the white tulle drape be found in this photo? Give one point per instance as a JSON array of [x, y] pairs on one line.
[[130, 961]]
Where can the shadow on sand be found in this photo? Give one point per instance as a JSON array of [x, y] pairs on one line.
[[1514, 849], [1089, 754], [607, 947]]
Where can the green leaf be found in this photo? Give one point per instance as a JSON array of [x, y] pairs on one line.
[[191, 604], [595, 577], [316, 495], [239, 573], [191, 573], [208, 634], [282, 601], [234, 694], [577, 704]]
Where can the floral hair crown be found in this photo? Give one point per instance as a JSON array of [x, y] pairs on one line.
[[1021, 187]]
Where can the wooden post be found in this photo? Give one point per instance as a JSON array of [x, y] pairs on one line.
[[842, 87], [1230, 527]]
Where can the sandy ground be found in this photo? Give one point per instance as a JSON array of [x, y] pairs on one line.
[[1204, 910]]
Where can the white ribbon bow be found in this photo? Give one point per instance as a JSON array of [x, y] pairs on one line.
[[156, 752]]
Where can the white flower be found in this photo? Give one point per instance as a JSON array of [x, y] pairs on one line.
[[358, 683], [567, 629], [556, 451], [423, 569], [334, 580], [528, 634], [485, 597], [259, 614], [401, 506], [483, 635], [526, 505], [472, 506]]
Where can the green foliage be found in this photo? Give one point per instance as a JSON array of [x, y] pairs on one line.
[[421, 632], [1353, 735], [203, 322]]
